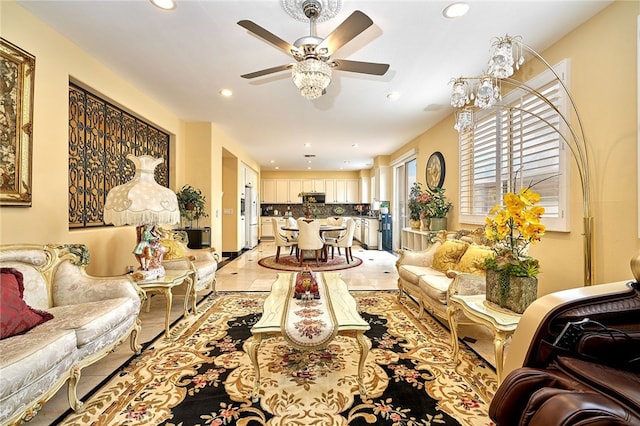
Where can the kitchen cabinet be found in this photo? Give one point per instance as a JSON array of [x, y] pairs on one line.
[[369, 231], [342, 191], [380, 185], [313, 185], [268, 193], [357, 235], [365, 190], [295, 188]]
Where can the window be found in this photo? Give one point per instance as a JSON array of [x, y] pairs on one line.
[[101, 136], [514, 146]]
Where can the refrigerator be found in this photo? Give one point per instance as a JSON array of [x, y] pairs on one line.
[[251, 217], [385, 230]]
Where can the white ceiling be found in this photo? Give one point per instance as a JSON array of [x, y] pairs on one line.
[[183, 58]]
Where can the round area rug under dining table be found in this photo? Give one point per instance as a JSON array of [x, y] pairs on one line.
[[290, 263]]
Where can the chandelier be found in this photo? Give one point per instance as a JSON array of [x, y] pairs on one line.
[[312, 77], [484, 92]]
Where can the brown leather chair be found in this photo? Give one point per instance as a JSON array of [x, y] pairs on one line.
[[582, 366]]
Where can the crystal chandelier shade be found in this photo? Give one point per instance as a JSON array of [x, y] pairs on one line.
[[501, 63], [312, 77], [487, 94], [460, 93], [464, 120]]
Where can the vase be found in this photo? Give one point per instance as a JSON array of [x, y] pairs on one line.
[[511, 292], [308, 213], [438, 223], [426, 223], [414, 224]]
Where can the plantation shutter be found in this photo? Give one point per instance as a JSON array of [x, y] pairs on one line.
[[513, 146]]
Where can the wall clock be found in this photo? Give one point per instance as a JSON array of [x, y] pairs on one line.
[[435, 170]]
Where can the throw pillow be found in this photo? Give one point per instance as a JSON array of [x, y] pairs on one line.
[[16, 317], [472, 261], [173, 249], [448, 255]]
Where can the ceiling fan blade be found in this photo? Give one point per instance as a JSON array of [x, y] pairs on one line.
[[267, 71], [268, 36], [356, 23], [361, 67]]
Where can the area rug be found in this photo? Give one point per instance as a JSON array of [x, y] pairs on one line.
[[290, 263], [201, 374]]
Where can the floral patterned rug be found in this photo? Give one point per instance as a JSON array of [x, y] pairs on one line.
[[203, 376]]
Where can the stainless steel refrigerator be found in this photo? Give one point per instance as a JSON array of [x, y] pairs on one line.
[[251, 217]]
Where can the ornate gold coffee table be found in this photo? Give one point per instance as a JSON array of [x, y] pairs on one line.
[[343, 311]]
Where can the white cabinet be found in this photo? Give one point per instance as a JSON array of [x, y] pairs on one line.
[[358, 232], [380, 185], [268, 193], [295, 188], [282, 191], [266, 227], [313, 185], [342, 191], [365, 190], [370, 233]]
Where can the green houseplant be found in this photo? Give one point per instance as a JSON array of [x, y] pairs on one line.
[[191, 202], [414, 206]]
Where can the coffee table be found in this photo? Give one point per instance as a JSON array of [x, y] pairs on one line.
[[343, 305], [165, 286], [500, 322]]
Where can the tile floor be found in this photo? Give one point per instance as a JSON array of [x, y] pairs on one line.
[[378, 272]]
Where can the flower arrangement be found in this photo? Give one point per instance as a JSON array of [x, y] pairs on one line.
[[512, 228], [427, 203]]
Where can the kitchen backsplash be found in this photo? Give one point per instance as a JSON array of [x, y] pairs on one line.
[[319, 210]]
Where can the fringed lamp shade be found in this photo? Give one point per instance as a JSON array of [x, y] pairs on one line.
[[142, 201]]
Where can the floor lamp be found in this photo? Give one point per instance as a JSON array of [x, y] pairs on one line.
[[506, 56], [144, 203]]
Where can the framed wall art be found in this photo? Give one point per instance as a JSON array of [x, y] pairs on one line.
[[17, 73]]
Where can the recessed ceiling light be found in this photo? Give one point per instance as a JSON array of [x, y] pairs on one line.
[[455, 10], [355, 145], [307, 145], [272, 161], [277, 168], [227, 93], [393, 96], [164, 4], [309, 168]]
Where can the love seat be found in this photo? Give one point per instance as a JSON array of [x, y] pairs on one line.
[[56, 320], [452, 264], [203, 262]]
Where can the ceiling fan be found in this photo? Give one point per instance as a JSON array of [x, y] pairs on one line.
[[312, 70]]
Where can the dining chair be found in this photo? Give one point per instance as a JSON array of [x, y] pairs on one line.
[[332, 236], [309, 238], [345, 241], [281, 240]]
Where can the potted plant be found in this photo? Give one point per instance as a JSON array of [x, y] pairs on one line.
[[191, 202], [511, 274], [438, 207], [415, 209]]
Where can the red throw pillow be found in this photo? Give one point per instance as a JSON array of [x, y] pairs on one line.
[[16, 317]]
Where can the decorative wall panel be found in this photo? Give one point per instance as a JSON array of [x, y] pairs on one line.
[[101, 136]]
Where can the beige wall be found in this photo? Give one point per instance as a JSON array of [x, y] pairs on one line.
[[196, 148], [276, 174], [604, 84]]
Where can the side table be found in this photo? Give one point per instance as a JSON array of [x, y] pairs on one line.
[[500, 322], [165, 286]]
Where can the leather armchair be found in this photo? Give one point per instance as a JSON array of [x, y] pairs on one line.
[[575, 372]]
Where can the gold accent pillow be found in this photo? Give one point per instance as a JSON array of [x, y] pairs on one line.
[[473, 259], [448, 255], [174, 249]]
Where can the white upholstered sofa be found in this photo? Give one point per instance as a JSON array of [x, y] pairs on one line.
[[452, 264], [91, 316]]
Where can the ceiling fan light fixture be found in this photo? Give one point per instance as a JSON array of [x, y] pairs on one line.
[[321, 10], [311, 77]]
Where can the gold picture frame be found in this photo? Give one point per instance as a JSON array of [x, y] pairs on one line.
[[17, 72]]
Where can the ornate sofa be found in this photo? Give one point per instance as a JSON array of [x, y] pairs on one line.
[[453, 264], [575, 360], [56, 320], [204, 262]]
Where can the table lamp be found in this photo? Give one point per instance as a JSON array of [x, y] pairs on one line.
[[146, 204]]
